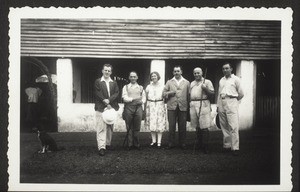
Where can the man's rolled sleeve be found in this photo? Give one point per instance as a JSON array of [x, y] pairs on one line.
[[125, 96]]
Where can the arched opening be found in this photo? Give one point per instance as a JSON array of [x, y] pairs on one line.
[[31, 69]]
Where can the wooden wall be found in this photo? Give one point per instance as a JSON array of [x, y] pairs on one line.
[[151, 39]]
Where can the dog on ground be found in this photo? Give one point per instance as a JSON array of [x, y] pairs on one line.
[[48, 144]]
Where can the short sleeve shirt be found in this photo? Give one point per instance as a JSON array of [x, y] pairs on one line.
[[196, 90], [230, 86]]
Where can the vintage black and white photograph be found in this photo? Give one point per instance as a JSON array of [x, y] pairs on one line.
[[150, 99]]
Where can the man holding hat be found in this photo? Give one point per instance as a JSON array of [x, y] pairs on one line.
[[106, 94]]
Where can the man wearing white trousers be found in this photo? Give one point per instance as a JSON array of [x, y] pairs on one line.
[[106, 94], [230, 93], [200, 109]]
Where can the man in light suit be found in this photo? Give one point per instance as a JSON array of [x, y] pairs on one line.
[[106, 93], [176, 92]]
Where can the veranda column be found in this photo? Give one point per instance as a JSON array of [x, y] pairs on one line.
[[160, 67], [64, 90], [246, 70]]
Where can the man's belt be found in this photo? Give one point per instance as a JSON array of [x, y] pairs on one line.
[[132, 104], [229, 96], [156, 100], [199, 99]]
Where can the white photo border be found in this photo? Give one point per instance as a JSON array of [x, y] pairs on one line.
[[220, 13]]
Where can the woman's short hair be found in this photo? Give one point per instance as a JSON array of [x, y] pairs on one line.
[[156, 73]]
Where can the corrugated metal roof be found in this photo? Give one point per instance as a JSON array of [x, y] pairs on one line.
[[152, 39]]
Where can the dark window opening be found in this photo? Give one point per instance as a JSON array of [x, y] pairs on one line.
[[87, 70]]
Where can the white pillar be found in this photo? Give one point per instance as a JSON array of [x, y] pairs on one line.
[[64, 93], [160, 67], [64, 81], [246, 70]]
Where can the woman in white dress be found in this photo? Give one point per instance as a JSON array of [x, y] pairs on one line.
[[155, 120]]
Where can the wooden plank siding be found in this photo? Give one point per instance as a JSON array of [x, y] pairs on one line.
[[151, 39]]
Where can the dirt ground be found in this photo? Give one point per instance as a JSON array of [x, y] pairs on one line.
[[258, 162]]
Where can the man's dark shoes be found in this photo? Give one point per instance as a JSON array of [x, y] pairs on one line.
[[101, 152], [129, 148], [205, 150], [109, 147], [183, 146], [137, 147], [226, 150], [198, 146], [235, 152]]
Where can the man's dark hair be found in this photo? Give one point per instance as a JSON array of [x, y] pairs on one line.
[[178, 66], [107, 65], [228, 63], [133, 72]]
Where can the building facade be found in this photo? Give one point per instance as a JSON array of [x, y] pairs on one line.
[[76, 49]]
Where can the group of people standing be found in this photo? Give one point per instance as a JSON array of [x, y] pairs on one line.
[[183, 100]]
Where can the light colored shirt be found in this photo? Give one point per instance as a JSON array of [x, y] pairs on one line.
[[33, 94], [231, 87], [178, 81], [128, 98], [107, 84], [155, 92], [196, 89]]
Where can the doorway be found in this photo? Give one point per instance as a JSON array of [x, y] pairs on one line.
[[31, 69], [268, 96]]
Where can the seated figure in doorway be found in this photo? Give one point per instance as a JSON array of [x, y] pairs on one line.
[[33, 93]]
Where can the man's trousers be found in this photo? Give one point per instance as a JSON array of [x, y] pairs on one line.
[[133, 118], [104, 132], [229, 121], [173, 116]]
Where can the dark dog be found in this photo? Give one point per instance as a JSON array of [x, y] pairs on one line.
[[48, 144]]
